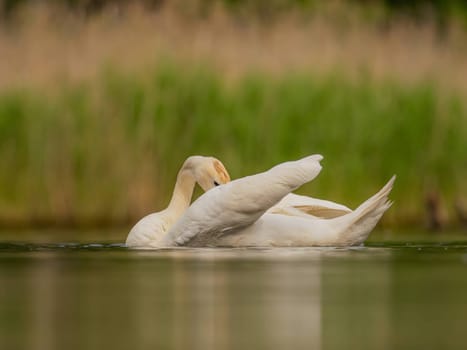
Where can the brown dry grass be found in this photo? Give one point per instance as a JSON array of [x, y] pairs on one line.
[[47, 45]]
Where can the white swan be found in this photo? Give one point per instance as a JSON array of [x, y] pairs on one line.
[[235, 214], [208, 172]]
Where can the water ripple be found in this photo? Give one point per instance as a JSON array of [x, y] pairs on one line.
[[23, 247], [105, 246]]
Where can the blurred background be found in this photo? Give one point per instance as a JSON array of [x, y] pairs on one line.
[[101, 102]]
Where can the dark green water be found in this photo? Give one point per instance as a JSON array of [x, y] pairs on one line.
[[390, 294]]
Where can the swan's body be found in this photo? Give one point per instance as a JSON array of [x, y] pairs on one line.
[[290, 226], [256, 210], [208, 172], [259, 211]]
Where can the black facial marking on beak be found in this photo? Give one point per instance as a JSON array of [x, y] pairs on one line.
[[216, 183]]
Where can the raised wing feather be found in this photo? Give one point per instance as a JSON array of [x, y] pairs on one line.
[[241, 202]]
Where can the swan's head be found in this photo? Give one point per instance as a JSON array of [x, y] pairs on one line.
[[208, 172]]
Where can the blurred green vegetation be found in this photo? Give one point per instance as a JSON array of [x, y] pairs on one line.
[[109, 150]]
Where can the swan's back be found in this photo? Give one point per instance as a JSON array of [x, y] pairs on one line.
[[241, 202]]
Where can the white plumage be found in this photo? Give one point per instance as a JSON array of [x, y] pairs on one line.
[[300, 229], [257, 211]]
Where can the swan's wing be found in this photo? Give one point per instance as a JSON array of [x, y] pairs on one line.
[[241, 202], [297, 205]]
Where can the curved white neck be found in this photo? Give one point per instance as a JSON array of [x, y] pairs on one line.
[[182, 193]]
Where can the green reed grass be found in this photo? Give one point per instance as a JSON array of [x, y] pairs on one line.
[[109, 150]]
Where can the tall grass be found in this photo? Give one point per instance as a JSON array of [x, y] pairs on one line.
[[109, 150]]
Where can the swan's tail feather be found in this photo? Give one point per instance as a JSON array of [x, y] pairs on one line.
[[367, 215]]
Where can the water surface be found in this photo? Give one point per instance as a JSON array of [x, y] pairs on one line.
[[390, 294]]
